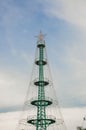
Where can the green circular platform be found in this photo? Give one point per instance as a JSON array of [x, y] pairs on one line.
[[39, 62], [41, 83], [41, 102], [41, 45], [41, 121]]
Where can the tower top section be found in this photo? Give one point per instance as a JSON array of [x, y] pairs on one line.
[[40, 37]]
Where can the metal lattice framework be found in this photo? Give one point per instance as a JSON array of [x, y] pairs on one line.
[[41, 110]]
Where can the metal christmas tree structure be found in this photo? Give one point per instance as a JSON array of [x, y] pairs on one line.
[[41, 109]]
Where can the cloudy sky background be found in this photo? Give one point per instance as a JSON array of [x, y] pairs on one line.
[[64, 22]]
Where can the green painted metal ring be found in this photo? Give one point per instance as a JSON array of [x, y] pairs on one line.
[[41, 102], [41, 45], [41, 83], [41, 121], [39, 62]]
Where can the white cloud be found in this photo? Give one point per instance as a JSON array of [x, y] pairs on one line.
[[70, 75], [73, 117], [73, 11], [13, 87], [9, 120]]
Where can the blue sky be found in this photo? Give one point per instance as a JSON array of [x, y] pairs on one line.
[[64, 22], [22, 20]]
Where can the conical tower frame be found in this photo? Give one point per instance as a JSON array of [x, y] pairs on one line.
[[41, 110]]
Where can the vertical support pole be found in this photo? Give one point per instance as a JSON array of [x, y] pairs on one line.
[[41, 113]]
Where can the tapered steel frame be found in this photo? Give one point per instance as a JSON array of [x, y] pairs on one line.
[[42, 121]]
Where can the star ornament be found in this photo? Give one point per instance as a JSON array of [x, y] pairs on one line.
[[41, 37]]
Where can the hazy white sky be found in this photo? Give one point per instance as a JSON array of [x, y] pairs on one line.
[[64, 22]]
